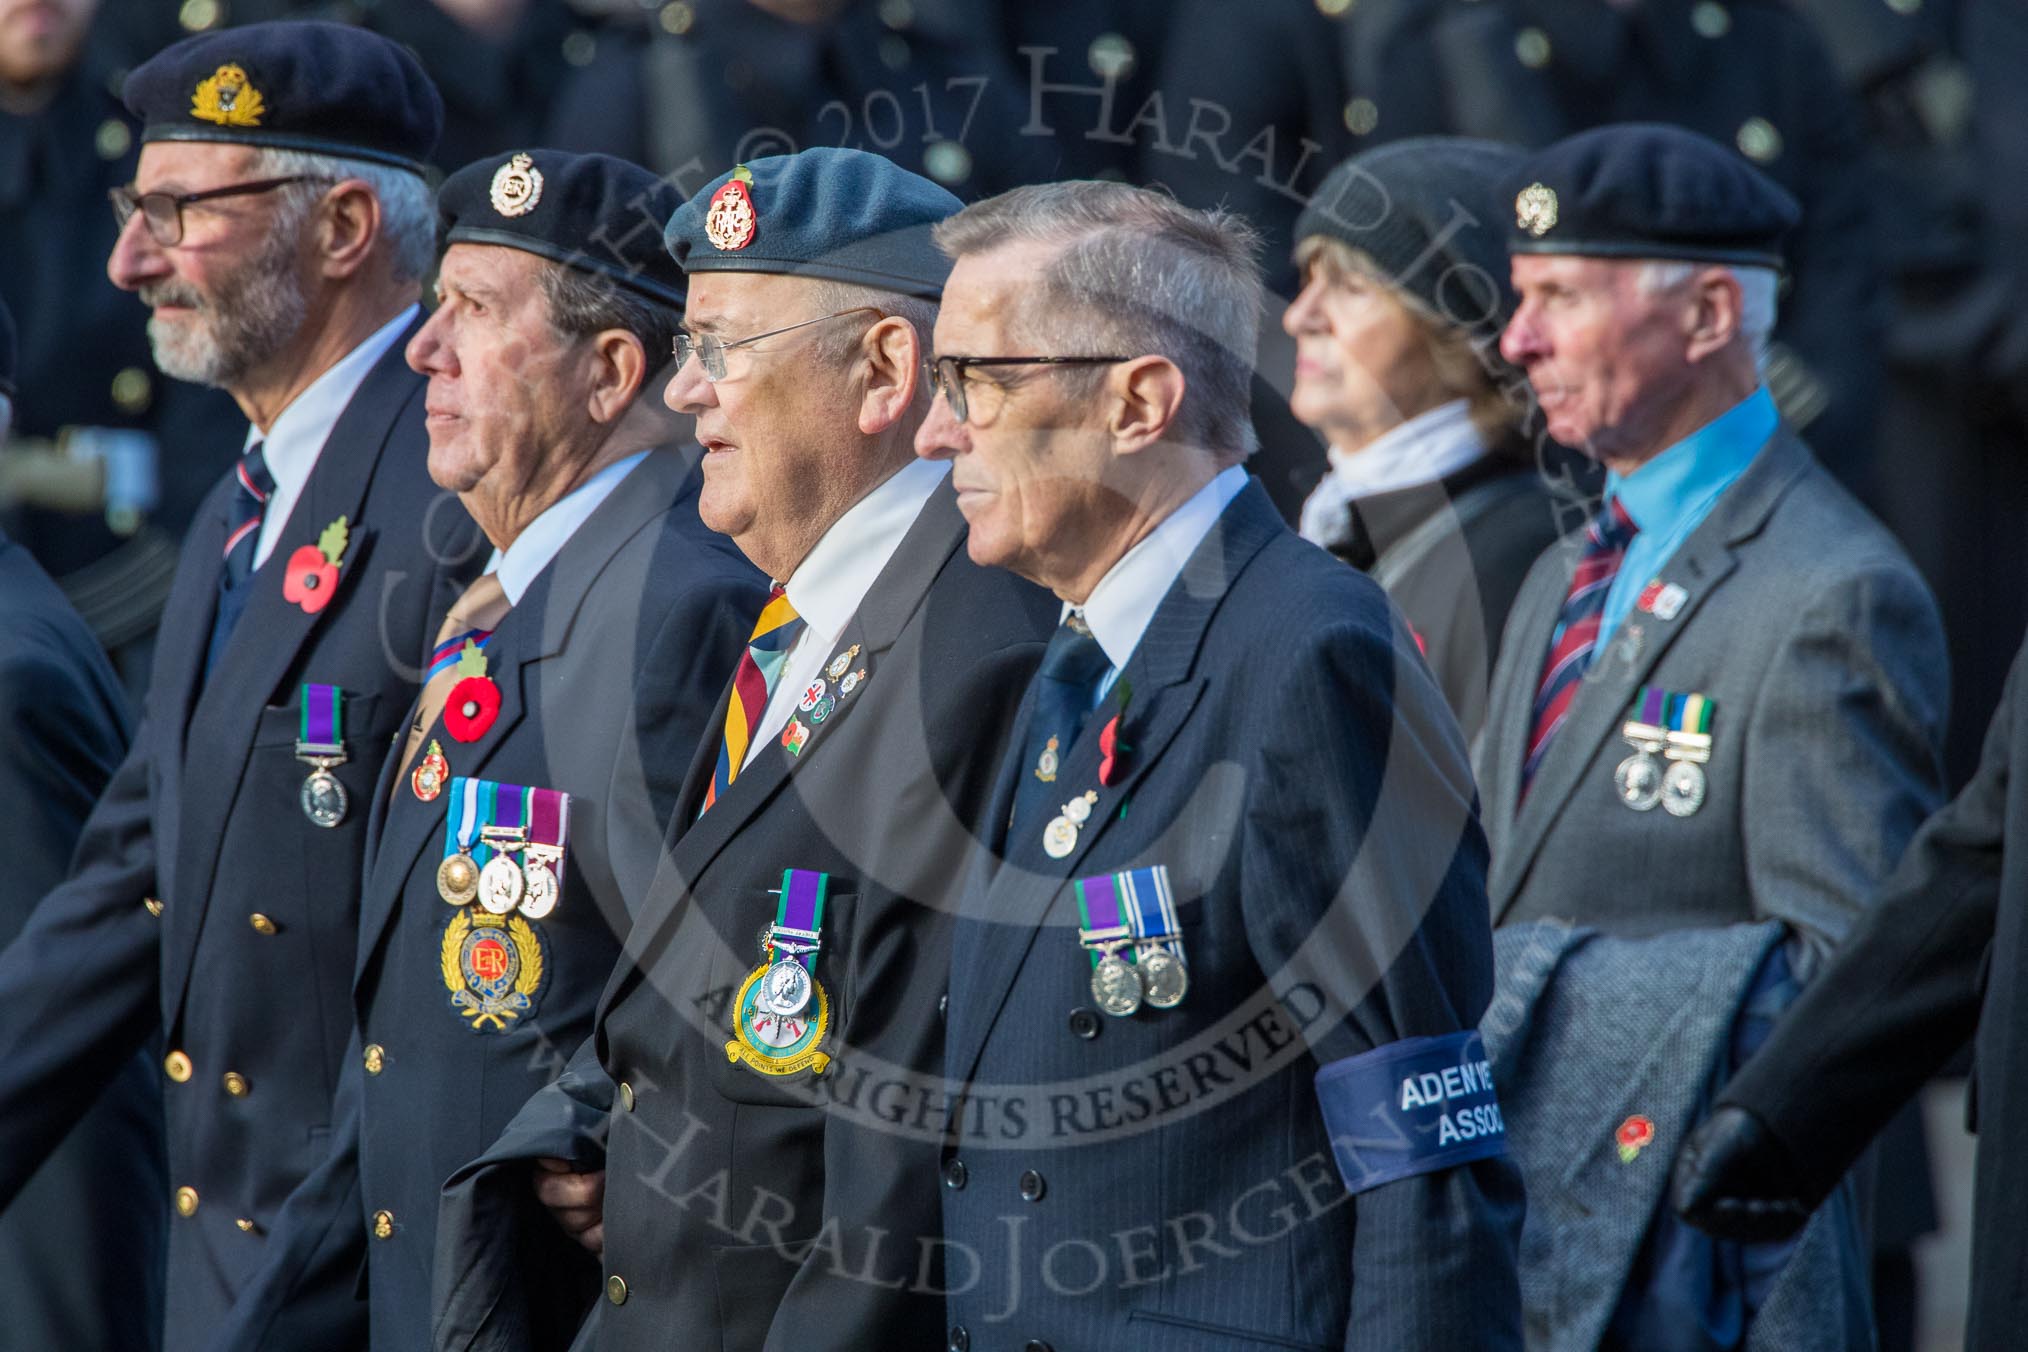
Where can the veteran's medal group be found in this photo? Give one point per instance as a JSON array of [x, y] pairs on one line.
[[759, 775]]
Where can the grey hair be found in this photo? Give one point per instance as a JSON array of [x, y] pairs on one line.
[[838, 340], [581, 304], [1758, 289], [1145, 274], [408, 213]]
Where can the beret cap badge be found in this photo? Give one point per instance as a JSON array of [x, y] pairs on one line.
[[729, 223], [517, 187], [228, 98], [1535, 210]]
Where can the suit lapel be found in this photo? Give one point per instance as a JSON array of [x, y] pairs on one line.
[[273, 631], [184, 635], [987, 954], [537, 628], [1699, 567]]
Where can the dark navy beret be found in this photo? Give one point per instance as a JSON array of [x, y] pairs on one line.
[[1424, 210], [326, 88], [1645, 190], [844, 215], [591, 212]]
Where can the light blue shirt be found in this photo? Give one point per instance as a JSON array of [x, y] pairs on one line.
[[1670, 496], [1124, 602]]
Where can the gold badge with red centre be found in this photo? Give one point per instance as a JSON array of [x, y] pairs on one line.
[[730, 222]]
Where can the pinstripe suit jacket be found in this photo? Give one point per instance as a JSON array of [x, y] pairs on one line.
[[1810, 629], [1165, 1180]]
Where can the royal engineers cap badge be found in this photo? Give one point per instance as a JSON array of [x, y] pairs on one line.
[[492, 967], [1535, 210], [517, 187], [228, 99], [730, 222]]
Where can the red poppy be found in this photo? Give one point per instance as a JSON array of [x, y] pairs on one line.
[[1634, 1133], [312, 579], [1112, 756], [471, 708]]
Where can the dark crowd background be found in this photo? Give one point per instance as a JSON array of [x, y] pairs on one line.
[[1902, 351]]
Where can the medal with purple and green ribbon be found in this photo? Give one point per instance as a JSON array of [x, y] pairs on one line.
[[782, 1010], [1638, 779], [1115, 985], [503, 829], [320, 744]]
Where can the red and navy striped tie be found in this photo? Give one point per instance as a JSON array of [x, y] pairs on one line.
[[1576, 641], [254, 485]]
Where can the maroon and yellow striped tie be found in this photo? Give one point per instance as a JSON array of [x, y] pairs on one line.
[[760, 667]]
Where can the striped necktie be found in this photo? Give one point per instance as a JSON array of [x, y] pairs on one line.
[[1577, 630], [760, 668], [252, 487], [472, 618]]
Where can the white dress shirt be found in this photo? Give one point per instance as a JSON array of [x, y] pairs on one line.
[[297, 438], [1125, 600], [832, 580], [541, 539], [1420, 451]]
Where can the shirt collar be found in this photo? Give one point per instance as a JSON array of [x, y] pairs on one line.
[[299, 431], [1683, 480], [1424, 450], [544, 538], [835, 576], [1125, 600]]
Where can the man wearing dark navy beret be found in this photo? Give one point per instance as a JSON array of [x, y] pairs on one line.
[[278, 227], [522, 814], [1721, 703], [793, 945]]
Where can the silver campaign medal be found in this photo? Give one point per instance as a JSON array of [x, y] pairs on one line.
[[785, 988], [501, 884], [1115, 986], [1164, 978], [1683, 789], [324, 799], [541, 889]]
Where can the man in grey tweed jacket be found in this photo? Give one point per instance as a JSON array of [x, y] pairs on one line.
[[1720, 703]]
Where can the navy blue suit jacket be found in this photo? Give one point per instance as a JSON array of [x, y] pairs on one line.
[[203, 906], [90, 1220], [1166, 1180], [609, 669]]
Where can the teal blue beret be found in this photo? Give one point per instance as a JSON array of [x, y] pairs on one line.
[[1647, 190], [325, 88], [843, 215], [591, 212]]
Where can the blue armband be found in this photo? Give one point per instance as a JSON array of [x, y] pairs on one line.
[[1411, 1107]]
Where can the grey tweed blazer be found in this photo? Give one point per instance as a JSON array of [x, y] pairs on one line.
[[1822, 649]]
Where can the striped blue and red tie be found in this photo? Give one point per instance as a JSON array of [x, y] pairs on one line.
[[252, 487], [1577, 629]]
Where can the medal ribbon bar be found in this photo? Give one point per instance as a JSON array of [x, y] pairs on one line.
[[321, 730], [800, 912]]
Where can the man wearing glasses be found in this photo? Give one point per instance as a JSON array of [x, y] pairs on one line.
[[1234, 953], [278, 227], [770, 1043]]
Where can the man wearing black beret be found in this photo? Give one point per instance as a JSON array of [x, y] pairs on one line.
[[770, 1037], [1721, 703], [278, 227], [523, 811]]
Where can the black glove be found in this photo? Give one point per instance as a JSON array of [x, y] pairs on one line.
[[1734, 1179]]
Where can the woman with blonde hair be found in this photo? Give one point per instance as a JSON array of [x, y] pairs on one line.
[[1433, 488]]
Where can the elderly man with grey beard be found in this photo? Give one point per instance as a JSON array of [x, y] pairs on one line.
[[278, 226]]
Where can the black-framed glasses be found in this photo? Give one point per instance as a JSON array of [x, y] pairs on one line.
[[710, 350], [946, 375], [162, 212]]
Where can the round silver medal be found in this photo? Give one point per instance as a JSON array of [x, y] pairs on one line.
[[1059, 838], [1164, 978], [1683, 789], [324, 799], [1115, 987], [540, 897], [1639, 780], [784, 988], [501, 885]]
